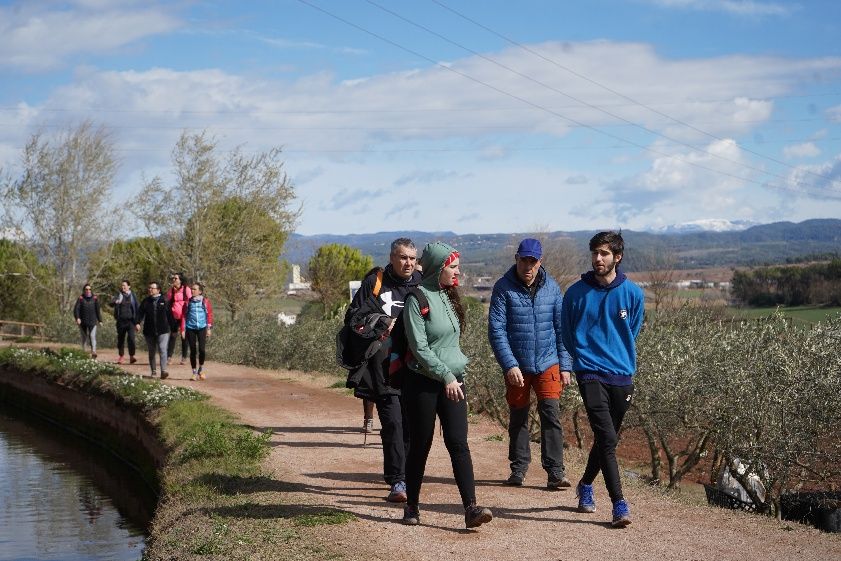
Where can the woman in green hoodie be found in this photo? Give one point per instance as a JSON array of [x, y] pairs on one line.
[[435, 384]]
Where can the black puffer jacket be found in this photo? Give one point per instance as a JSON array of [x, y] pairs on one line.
[[87, 310], [155, 315]]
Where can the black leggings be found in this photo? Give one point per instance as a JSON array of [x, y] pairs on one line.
[[125, 331], [423, 399], [196, 336], [170, 350]]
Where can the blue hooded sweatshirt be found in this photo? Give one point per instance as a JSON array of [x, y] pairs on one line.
[[599, 326]]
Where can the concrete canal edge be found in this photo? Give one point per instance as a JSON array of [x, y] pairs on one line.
[[123, 431]]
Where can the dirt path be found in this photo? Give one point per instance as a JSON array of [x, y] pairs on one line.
[[319, 456]]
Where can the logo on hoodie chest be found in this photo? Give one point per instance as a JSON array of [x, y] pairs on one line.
[[623, 314]]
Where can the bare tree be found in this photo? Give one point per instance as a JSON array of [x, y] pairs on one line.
[[659, 265], [61, 203], [222, 217], [561, 258]]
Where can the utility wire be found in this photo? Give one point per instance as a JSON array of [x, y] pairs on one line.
[[581, 101], [615, 92], [542, 108], [15, 109]]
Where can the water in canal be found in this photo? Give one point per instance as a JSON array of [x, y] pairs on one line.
[[62, 498]]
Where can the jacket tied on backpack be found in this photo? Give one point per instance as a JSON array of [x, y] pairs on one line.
[[362, 345]]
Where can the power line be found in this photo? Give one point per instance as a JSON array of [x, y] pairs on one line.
[[613, 91], [406, 127], [328, 111], [506, 148], [581, 101], [538, 106]]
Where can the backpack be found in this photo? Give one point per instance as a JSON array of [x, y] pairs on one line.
[[400, 354], [345, 357]]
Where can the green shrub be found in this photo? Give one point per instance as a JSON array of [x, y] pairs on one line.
[[258, 340]]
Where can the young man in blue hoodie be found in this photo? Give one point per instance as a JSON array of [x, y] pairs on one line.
[[601, 317]]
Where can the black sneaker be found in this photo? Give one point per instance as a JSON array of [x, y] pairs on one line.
[[515, 479], [164, 375], [556, 482], [475, 516], [411, 515]]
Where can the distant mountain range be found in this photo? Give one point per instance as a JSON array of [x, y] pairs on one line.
[[700, 244]]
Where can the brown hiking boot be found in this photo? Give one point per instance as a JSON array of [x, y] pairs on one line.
[[475, 516], [164, 375], [557, 482], [411, 515]]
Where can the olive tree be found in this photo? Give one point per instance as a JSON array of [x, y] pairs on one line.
[[60, 205], [784, 409], [678, 387]]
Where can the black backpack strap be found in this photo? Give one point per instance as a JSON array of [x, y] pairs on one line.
[[423, 301]]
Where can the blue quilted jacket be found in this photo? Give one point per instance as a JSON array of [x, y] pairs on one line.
[[526, 332]]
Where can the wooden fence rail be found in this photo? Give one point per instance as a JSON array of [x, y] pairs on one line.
[[21, 329]]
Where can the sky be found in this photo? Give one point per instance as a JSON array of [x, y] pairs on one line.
[[455, 115]]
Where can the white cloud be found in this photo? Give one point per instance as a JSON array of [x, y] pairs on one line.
[[37, 36], [711, 183], [380, 129], [733, 7], [822, 181], [804, 150], [317, 112]]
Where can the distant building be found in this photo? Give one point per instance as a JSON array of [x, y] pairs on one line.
[[298, 284], [353, 287], [483, 284]]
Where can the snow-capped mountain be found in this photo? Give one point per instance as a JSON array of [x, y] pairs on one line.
[[705, 225]]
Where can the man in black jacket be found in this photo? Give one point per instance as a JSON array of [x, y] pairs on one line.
[[125, 313], [370, 317], [156, 317]]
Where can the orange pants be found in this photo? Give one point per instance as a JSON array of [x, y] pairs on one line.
[[547, 385]]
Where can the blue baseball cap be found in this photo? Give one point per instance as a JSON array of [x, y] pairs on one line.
[[530, 247]]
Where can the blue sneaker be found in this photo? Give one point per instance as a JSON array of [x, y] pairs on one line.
[[398, 493], [586, 501], [621, 514]]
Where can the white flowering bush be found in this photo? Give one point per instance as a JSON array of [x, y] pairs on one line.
[[151, 394], [72, 368]]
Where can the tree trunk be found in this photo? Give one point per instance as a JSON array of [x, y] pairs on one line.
[[576, 428], [654, 450]]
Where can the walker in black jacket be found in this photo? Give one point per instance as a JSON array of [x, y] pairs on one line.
[[156, 317], [88, 315], [377, 303]]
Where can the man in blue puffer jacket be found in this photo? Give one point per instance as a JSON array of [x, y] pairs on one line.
[[524, 330]]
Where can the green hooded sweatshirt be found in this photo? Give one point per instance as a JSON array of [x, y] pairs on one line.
[[434, 341]]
